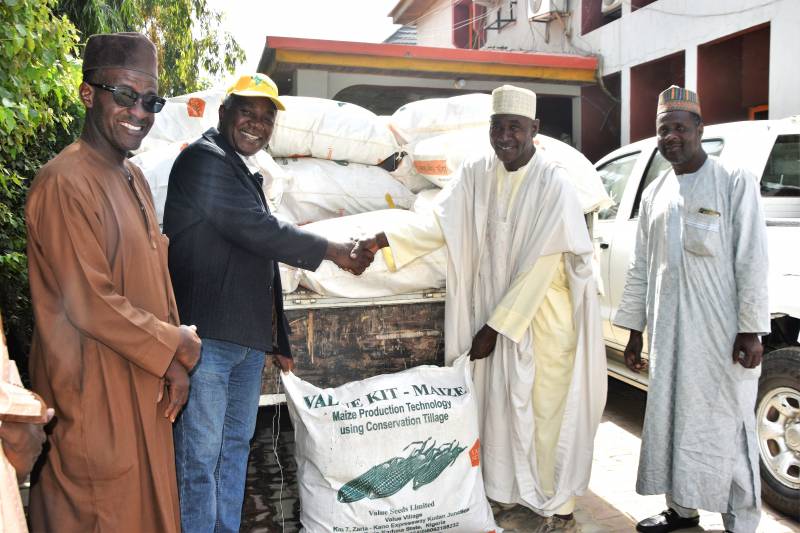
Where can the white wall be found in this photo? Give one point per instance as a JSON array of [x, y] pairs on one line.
[[662, 28], [436, 27], [784, 52], [529, 35], [668, 26]]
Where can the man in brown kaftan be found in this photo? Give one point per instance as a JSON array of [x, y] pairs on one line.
[[108, 353]]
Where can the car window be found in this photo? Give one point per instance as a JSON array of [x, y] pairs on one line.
[[782, 174], [615, 176], [658, 165]]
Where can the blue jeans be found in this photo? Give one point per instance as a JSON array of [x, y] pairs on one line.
[[212, 436]]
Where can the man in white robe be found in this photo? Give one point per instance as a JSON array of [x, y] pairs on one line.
[[520, 289], [698, 281]]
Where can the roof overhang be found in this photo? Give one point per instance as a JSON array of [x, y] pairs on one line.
[[282, 54], [410, 11]]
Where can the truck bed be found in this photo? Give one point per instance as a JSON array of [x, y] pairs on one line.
[[337, 340]]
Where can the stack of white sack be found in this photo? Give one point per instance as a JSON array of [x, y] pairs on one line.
[[426, 272], [327, 129], [315, 189], [313, 127], [183, 119], [427, 118], [322, 129], [423, 119], [156, 164], [440, 133], [438, 158]]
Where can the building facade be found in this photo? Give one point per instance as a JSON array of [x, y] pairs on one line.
[[740, 55]]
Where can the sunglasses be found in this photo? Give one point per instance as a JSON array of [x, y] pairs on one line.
[[126, 97]]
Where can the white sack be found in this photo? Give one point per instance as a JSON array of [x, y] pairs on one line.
[[290, 278], [427, 272], [426, 118], [437, 159], [315, 189], [397, 452], [405, 174], [184, 118], [591, 193], [156, 165], [327, 129]]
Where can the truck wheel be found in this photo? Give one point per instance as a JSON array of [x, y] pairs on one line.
[[778, 429]]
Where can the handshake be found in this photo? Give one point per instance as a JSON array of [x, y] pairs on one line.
[[356, 255]]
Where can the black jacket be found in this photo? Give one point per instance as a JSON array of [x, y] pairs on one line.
[[224, 244]]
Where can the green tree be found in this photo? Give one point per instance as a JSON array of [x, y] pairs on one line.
[[41, 113], [39, 76], [185, 32]]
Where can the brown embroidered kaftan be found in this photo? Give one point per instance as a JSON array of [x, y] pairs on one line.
[[106, 330]]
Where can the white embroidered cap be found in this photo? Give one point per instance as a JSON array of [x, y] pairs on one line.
[[510, 100]]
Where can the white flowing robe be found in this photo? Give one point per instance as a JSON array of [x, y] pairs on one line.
[[488, 250], [697, 278]]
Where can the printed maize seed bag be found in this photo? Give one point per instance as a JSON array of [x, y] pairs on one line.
[[395, 453]]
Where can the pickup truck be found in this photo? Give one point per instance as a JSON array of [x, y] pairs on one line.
[[770, 149]]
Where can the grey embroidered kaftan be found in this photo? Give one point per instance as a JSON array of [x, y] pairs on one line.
[[698, 277]]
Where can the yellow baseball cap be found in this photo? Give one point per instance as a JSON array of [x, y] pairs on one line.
[[259, 85]]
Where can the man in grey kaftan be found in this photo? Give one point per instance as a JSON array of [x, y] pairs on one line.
[[698, 281]]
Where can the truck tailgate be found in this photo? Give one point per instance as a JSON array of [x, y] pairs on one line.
[[337, 340]]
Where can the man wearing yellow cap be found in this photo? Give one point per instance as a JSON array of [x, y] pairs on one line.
[[698, 281], [521, 300], [223, 254]]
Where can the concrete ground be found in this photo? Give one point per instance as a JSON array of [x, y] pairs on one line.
[[612, 505]]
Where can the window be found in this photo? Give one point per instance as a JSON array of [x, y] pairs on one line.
[[658, 165], [758, 112], [615, 176], [782, 174], [469, 24]]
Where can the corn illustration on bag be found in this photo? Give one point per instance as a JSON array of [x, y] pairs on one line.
[[394, 453]]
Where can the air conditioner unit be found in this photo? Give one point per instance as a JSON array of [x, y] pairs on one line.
[[609, 6], [544, 10]]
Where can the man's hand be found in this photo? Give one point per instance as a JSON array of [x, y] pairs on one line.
[[747, 350], [633, 352], [483, 343], [372, 243], [348, 257], [188, 351], [177, 388], [22, 443], [286, 364]]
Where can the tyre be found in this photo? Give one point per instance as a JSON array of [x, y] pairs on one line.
[[778, 430]]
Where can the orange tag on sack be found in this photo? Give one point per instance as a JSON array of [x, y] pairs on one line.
[[436, 167], [475, 453], [196, 107]]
